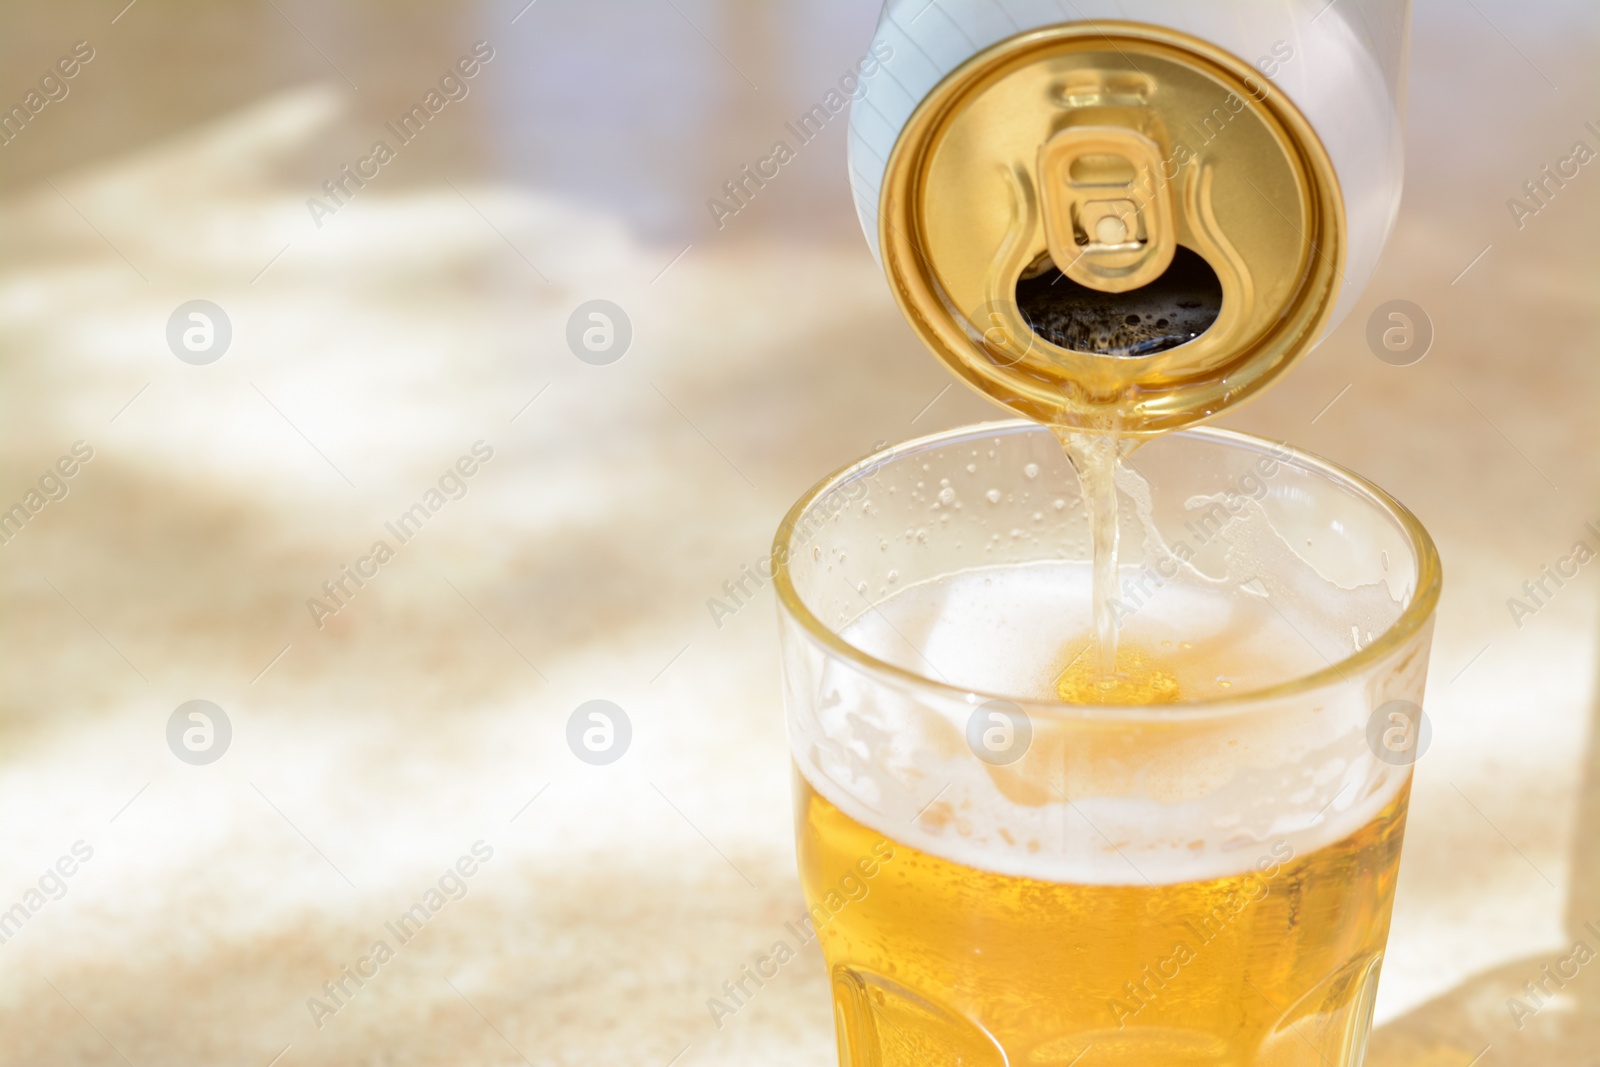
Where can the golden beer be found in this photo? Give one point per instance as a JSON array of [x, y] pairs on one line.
[[942, 963]]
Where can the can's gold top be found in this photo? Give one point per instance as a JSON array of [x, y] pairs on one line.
[[1112, 227]]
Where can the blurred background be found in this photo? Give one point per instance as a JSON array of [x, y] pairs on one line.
[[372, 350]]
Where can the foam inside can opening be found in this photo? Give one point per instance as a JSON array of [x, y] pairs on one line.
[[1173, 310]]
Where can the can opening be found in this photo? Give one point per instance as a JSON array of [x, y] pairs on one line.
[[1173, 310]]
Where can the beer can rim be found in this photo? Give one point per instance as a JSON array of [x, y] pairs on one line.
[[1414, 617], [1248, 355]]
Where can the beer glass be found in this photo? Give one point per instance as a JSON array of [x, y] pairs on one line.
[[1000, 876]]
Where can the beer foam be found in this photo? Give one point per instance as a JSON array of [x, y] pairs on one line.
[[1226, 799], [1011, 630]]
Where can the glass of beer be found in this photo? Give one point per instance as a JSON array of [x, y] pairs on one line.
[[1009, 860]]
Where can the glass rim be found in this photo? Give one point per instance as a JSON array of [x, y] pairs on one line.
[[1416, 614]]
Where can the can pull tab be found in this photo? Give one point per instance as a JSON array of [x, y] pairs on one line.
[[1108, 214]]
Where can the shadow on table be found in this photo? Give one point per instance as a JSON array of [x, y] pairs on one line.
[[1539, 1011]]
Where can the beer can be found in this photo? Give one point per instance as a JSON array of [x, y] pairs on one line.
[[1128, 216]]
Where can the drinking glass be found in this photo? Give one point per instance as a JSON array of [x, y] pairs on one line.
[[998, 876]]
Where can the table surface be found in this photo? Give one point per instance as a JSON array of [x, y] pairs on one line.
[[376, 340]]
